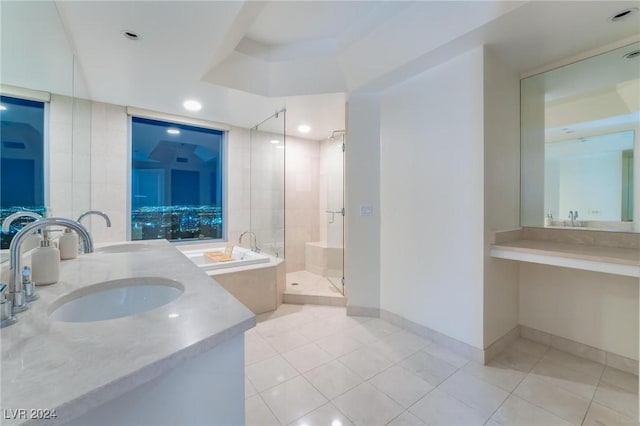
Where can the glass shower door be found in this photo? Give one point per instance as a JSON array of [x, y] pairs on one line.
[[335, 210], [267, 147]]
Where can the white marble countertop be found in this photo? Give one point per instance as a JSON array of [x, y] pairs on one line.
[[614, 260], [74, 367]]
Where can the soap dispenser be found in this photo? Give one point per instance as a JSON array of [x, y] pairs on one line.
[[45, 263], [68, 245]]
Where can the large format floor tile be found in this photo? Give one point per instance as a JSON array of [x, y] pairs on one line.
[[518, 412], [617, 399], [270, 372], [402, 386], [258, 414], [428, 367], [313, 365], [307, 357], [496, 374], [560, 402], [367, 406], [439, 408], [333, 379], [365, 362], [474, 392], [293, 399], [328, 414]]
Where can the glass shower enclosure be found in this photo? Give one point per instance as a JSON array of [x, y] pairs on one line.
[[267, 187]]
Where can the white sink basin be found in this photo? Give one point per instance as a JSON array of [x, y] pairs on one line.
[[123, 248], [115, 299]]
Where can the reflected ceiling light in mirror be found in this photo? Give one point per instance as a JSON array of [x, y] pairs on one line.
[[304, 128], [173, 315], [624, 14], [275, 141], [3, 108], [173, 131], [192, 105]]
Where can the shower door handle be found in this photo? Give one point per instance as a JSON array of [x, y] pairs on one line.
[[333, 213]]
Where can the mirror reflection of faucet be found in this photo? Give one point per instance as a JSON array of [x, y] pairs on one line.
[[33, 240], [573, 215]]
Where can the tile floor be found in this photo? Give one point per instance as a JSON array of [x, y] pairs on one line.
[[312, 288], [313, 365]]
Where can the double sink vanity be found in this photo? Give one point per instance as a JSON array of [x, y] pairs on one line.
[[133, 333]]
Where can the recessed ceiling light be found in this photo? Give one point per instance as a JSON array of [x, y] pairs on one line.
[[173, 131], [624, 14], [192, 105], [275, 141], [304, 128], [3, 108], [632, 55], [131, 35]]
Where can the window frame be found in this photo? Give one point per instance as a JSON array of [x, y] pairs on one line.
[[168, 118], [45, 99]]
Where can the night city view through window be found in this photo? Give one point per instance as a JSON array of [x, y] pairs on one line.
[[21, 162], [176, 181]]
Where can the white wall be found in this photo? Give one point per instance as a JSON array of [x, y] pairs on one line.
[[432, 199], [600, 310], [592, 186], [362, 174], [501, 192]]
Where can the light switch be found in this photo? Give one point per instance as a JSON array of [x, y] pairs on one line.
[[366, 210]]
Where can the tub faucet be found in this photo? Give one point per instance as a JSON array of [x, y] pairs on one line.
[[9, 219], [16, 291], [98, 213], [254, 246]]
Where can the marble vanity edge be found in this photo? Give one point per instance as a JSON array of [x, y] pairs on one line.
[[569, 236], [109, 391], [550, 250]]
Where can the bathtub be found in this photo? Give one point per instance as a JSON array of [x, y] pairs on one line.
[[257, 280], [241, 257]]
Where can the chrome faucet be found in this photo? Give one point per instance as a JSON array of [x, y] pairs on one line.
[[254, 246], [573, 215], [16, 290], [9, 219], [96, 212], [6, 312]]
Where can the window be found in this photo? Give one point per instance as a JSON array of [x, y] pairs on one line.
[[21, 161], [176, 181]]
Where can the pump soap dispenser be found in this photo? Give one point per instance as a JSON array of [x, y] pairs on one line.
[[68, 244], [45, 263]]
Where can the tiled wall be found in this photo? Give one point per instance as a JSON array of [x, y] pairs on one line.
[[93, 173], [302, 199]]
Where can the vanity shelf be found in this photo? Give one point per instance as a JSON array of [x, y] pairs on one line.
[[612, 260]]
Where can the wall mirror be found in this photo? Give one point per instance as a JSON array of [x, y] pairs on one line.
[[580, 127], [36, 56]]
